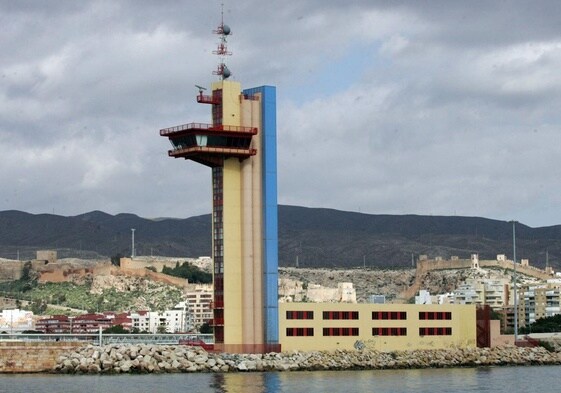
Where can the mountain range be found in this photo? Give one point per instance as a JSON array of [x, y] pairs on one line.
[[308, 237]]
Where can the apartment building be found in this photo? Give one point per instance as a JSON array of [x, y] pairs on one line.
[[538, 301], [483, 291], [200, 303], [82, 324], [176, 320]]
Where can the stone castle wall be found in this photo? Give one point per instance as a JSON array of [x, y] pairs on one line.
[[62, 272], [10, 270], [158, 264], [58, 272], [426, 265], [158, 277]]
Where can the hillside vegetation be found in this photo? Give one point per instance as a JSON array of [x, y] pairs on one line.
[[97, 294]]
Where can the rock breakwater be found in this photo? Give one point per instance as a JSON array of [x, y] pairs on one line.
[[113, 359]]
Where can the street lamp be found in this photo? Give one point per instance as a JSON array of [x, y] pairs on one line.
[[514, 278], [132, 246]]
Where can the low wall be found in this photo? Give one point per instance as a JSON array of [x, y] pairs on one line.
[[32, 357], [498, 339]]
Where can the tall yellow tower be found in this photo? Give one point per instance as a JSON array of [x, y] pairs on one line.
[[240, 148]]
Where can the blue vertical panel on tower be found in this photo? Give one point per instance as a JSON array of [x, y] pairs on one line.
[[270, 209]]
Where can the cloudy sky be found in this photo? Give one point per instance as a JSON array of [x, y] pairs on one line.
[[384, 107]]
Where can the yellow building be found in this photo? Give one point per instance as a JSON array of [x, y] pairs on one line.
[[385, 327]]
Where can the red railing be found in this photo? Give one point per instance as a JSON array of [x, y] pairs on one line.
[[207, 149], [205, 99], [207, 127]]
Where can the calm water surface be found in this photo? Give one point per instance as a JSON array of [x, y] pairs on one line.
[[496, 380]]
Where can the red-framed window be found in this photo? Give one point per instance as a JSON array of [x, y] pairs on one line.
[[340, 331], [299, 315], [389, 331], [389, 315], [435, 331], [331, 315], [299, 332], [435, 315]]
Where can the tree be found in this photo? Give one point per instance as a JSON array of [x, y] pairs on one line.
[[206, 328], [26, 271], [116, 259], [28, 278], [116, 329], [544, 325], [190, 272], [38, 307]]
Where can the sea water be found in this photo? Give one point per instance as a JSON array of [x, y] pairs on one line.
[[483, 379]]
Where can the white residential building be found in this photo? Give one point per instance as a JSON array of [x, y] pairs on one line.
[[177, 320], [466, 294], [16, 321], [483, 291], [141, 320], [424, 297]]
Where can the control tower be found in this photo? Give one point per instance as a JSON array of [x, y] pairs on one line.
[[240, 148]]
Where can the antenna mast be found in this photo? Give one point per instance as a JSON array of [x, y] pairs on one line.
[[222, 50]]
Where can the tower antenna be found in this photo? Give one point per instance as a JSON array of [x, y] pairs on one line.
[[222, 50]]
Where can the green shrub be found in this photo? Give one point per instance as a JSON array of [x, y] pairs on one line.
[[190, 272], [117, 329], [547, 345]]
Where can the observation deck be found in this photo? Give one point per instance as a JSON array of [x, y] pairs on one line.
[[210, 144]]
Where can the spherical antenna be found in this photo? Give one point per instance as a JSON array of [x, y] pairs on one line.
[[226, 30], [226, 73]]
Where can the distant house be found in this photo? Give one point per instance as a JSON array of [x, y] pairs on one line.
[[55, 324], [82, 324]]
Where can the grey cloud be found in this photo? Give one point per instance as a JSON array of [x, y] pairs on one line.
[[456, 110]]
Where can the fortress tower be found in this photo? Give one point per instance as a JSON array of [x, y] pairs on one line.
[[240, 148]]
